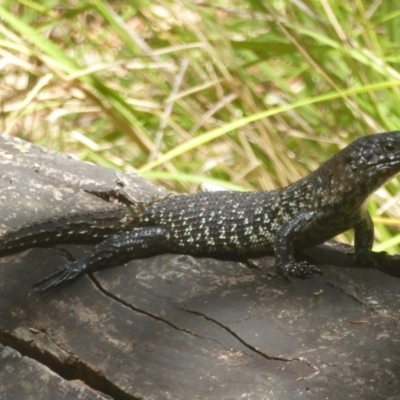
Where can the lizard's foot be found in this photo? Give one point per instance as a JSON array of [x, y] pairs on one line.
[[301, 270], [66, 273], [373, 260]]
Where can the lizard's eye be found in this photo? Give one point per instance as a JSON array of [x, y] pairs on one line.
[[389, 147]]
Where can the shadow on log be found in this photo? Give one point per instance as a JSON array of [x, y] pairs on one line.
[[173, 326]]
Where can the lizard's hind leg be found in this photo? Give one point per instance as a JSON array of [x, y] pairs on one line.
[[115, 250]]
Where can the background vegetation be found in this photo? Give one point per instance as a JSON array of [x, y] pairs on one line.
[[229, 93]]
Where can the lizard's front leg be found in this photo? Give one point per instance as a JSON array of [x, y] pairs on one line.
[[115, 250], [285, 263], [363, 241]]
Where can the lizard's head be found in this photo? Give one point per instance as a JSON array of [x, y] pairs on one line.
[[362, 167], [380, 152]]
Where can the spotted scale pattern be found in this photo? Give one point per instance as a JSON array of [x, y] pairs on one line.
[[214, 223]]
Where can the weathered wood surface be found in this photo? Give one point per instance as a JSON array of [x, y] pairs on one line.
[[177, 327]]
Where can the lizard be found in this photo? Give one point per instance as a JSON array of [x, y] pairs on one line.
[[306, 213]]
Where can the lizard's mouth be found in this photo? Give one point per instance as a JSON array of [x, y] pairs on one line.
[[388, 164]]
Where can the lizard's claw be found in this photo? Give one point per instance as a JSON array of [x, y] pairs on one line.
[[66, 273], [301, 270]]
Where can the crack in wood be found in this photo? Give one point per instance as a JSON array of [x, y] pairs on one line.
[[70, 368], [141, 311], [351, 296], [180, 308], [248, 345], [363, 303]]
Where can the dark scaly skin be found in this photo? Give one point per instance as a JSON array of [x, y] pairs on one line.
[[306, 213]]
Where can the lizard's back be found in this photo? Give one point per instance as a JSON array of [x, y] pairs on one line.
[[206, 223]]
